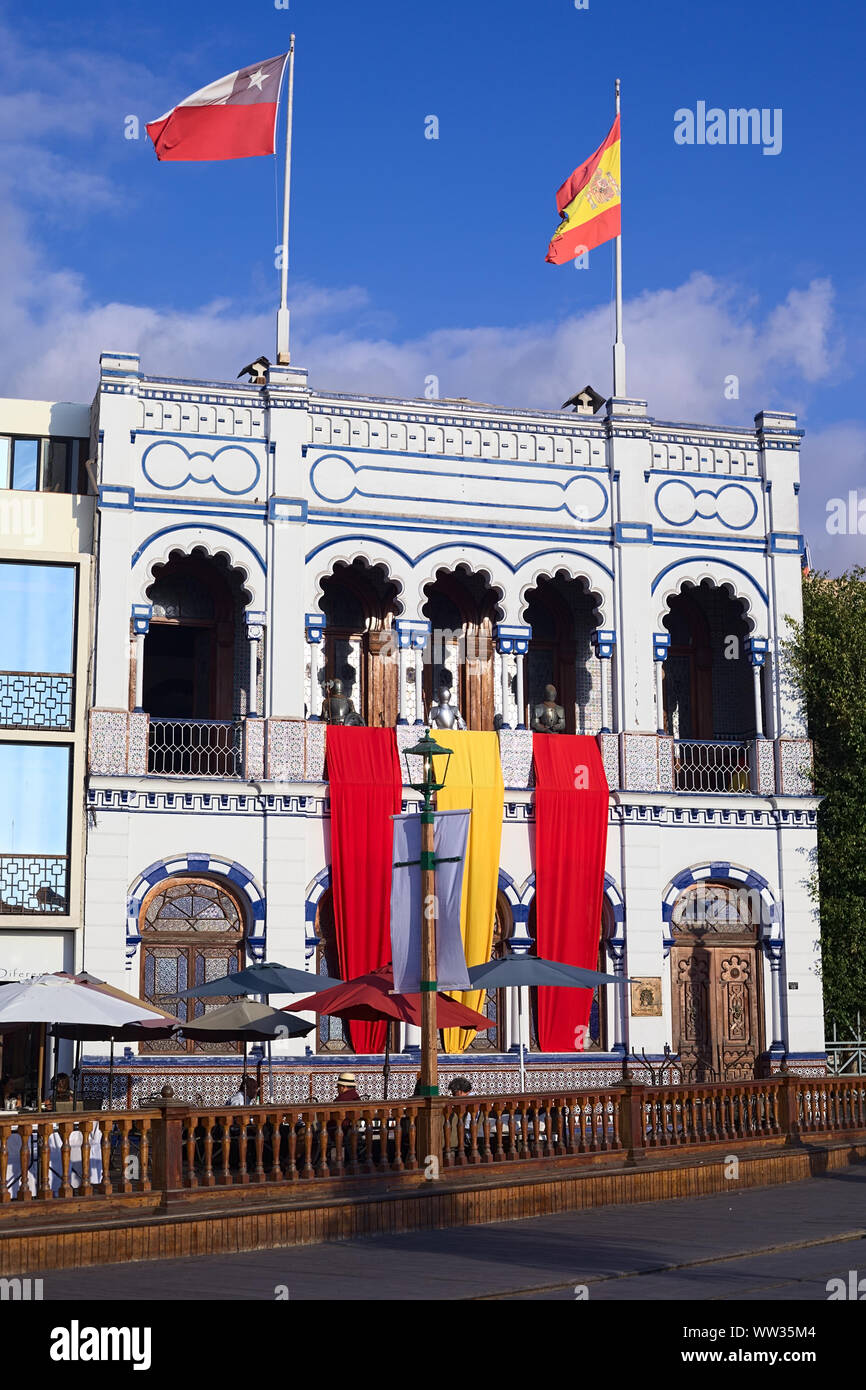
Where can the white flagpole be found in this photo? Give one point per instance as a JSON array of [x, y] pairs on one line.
[[619, 345], [283, 311]]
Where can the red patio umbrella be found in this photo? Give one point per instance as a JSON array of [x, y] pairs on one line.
[[370, 998]]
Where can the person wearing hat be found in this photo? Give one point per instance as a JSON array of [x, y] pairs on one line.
[[346, 1086]]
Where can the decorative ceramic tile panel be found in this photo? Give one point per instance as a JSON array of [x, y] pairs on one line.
[[666, 762], [301, 1083], [609, 748], [254, 749], [640, 762], [286, 761], [407, 735], [138, 741], [107, 754], [765, 755], [315, 764], [795, 766], [515, 752]]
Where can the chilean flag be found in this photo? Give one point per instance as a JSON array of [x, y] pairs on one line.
[[231, 119]]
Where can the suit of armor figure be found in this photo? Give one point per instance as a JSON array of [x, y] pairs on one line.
[[548, 717], [444, 715], [337, 708]]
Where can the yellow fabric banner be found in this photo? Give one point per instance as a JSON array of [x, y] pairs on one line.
[[474, 780]]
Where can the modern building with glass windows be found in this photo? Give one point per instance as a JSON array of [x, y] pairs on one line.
[[259, 541], [47, 509]]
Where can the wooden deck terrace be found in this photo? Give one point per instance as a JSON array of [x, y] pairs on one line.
[[104, 1186]]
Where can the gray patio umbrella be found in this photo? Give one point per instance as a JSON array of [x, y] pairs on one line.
[[245, 1020], [248, 1020], [512, 972], [265, 979]]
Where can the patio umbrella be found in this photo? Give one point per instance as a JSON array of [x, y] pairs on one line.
[[266, 979], [57, 1000], [160, 1025], [246, 1020], [370, 998], [513, 972]]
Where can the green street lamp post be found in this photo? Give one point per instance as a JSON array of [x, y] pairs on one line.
[[426, 783]]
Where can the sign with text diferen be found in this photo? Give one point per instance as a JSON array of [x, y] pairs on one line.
[[450, 832]]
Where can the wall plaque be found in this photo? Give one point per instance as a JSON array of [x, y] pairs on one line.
[[646, 997]]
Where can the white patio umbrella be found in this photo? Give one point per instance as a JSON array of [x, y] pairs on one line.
[[53, 999]]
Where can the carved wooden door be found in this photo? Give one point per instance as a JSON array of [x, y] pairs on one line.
[[716, 1009]]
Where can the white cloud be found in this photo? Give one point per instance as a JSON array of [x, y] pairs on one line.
[[833, 463], [684, 343]]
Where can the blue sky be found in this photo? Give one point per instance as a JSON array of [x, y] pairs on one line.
[[413, 257], [38, 822], [37, 630]]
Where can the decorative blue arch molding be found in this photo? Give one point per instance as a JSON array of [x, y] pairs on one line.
[[553, 550], [316, 891], [470, 543], [358, 536], [322, 882], [192, 524], [197, 864], [713, 560], [771, 930], [612, 895]]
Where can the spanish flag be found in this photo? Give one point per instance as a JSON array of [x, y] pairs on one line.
[[589, 203]]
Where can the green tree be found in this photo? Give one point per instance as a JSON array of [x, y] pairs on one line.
[[827, 664]]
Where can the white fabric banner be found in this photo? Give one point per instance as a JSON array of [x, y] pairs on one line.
[[450, 831]]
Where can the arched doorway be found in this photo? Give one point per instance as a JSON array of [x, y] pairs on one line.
[[192, 931], [359, 602], [716, 981], [331, 1033], [193, 667], [708, 684], [596, 1039], [463, 610], [495, 1003], [563, 615], [196, 676]]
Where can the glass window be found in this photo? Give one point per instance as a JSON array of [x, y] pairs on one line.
[[55, 471], [25, 464], [38, 628], [4, 462], [34, 798]]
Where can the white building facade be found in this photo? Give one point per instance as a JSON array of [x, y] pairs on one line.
[[256, 542], [47, 511]]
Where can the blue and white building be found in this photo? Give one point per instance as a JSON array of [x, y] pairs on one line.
[[256, 541]]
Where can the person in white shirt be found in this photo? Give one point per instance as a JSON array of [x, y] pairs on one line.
[[245, 1093]]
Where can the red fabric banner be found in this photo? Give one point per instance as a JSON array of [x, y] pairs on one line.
[[363, 769], [571, 807]]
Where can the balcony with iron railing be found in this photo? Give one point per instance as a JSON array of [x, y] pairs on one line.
[[36, 700], [34, 884], [195, 747], [252, 749], [713, 765]]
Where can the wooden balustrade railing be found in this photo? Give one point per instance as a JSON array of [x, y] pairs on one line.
[[93, 1153], [177, 1148]]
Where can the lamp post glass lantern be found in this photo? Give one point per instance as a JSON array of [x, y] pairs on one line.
[[428, 781], [420, 768]]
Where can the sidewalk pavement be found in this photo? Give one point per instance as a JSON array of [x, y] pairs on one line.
[[787, 1242]]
